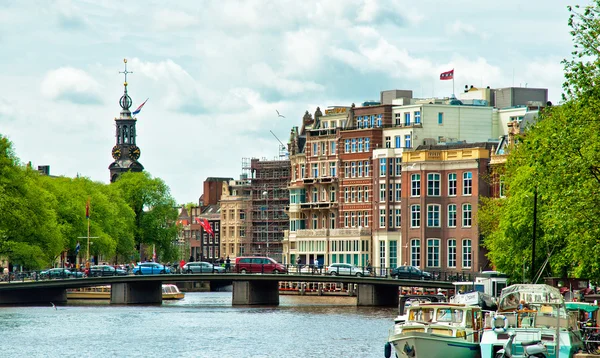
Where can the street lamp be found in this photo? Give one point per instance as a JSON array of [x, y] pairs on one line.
[[266, 196]]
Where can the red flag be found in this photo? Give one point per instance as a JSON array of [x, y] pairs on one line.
[[449, 75], [206, 225], [87, 209]]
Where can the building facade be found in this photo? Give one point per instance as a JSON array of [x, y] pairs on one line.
[[236, 218]]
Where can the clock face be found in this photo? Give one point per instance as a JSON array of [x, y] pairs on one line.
[[134, 152], [116, 152]]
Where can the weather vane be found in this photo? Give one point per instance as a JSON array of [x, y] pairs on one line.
[[125, 72]]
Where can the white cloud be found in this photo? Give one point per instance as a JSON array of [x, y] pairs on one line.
[[71, 84], [166, 19]]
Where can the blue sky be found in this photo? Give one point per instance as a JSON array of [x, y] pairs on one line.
[[216, 71]]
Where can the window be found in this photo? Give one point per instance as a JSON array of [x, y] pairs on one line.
[[393, 254], [346, 195], [379, 120], [360, 145], [391, 167], [359, 218], [398, 141], [467, 259], [415, 185], [347, 146], [332, 194], [366, 194], [440, 118], [315, 195], [353, 170], [242, 215], [417, 117], [315, 170], [332, 147], [433, 252], [415, 252], [433, 184], [382, 218], [398, 218], [501, 189], [367, 145], [332, 169], [407, 141], [347, 170], [382, 193], [353, 219], [366, 216], [360, 169], [388, 142], [452, 184], [452, 215], [366, 168], [324, 147], [315, 221], [466, 215], [315, 150], [451, 253], [332, 221], [398, 192], [407, 119], [382, 254], [398, 167], [467, 183], [415, 216], [302, 170], [353, 194], [433, 216], [382, 162], [360, 194], [353, 145], [391, 219], [359, 121], [346, 217]]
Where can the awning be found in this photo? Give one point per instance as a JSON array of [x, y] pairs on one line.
[[580, 306]]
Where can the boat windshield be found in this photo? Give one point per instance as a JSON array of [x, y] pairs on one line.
[[449, 315], [421, 314], [537, 295]]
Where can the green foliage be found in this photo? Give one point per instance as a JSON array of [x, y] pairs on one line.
[[155, 212], [559, 157], [42, 216]]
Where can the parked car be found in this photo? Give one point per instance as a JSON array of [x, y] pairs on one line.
[[150, 268], [256, 264], [347, 270], [202, 267], [60, 273], [410, 272], [105, 270]]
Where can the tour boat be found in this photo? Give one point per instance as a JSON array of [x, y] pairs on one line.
[[532, 313], [169, 292], [437, 330]]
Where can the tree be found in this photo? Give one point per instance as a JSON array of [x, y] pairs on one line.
[[557, 160], [155, 212], [29, 232]]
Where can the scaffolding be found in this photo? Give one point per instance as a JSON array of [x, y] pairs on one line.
[[269, 181]]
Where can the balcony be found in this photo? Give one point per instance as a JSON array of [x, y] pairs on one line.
[[352, 232], [312, 233]]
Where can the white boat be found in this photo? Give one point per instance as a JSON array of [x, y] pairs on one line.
[[532, 313], [433, 330], [169, 292]]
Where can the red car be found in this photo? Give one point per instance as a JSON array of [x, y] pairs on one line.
[[257, 264]]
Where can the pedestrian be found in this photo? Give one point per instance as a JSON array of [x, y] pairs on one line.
[[181, 264], [298, 261], [191, 259], [315, 265], [369, 267], [227, 264]]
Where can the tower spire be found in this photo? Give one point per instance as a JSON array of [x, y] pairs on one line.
[[125, 101]]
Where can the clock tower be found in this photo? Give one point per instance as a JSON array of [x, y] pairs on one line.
[[125, 152]]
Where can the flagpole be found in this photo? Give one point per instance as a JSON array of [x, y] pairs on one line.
[[453, 93], [88, 240]]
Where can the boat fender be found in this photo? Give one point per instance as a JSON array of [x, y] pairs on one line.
[[387, 350], [501, 329]]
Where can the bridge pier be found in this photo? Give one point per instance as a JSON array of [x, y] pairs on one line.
[[255, 293], [377, 295], [145, 292], [33, 296]]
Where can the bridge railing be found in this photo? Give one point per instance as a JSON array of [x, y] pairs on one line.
[[301, 269]]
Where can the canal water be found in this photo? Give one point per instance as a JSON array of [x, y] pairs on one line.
[[204, 324]]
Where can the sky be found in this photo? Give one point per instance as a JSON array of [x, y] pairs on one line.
[[217, 72]]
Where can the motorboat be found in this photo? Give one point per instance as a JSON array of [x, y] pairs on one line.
[[169, 292], [437, 330], [532, 313]]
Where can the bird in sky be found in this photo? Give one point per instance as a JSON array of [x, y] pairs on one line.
[[53, 305], [279, 115]]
